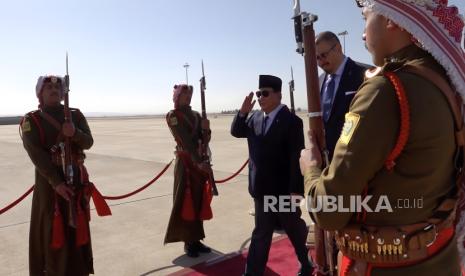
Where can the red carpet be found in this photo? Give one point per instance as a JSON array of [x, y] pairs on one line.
[[281, 261]]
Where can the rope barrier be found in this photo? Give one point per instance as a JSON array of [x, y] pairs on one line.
[[8, 207], [234, 175], [17, 201], [141, 188], [21, 198]]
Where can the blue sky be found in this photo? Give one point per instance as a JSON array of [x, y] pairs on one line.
[[125, 55]]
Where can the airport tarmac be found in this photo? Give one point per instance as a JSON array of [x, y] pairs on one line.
[[127, 153]]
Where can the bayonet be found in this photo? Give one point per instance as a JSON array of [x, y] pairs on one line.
[[298, 27], [68, 168], [291, 91]]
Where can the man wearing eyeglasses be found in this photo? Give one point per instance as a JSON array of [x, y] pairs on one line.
[[275, 138], [341, 80]]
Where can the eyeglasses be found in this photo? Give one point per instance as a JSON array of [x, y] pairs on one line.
[[264, 93], [324, 55]]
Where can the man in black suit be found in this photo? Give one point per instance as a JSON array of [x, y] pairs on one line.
[[275, 138], [339, 84], [341, 79]]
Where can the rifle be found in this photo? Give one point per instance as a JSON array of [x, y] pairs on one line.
[[66, 152], [291, 91], [305, 38], [205, 150]]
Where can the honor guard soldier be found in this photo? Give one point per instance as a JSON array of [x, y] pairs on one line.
[[191, 192], [402, 141], [59, 238]]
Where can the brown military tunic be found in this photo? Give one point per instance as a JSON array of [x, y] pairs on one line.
[[43, 260], [184, 124], [424, 170]]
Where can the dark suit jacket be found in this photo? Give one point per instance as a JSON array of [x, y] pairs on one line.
[[274, 158], [351, 79]]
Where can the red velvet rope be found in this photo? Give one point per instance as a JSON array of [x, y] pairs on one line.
[[234, 175], [8, 207], [141, 188], [17, 201]]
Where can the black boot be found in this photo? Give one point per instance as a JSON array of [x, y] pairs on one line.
[[201, 248], [191, 250]]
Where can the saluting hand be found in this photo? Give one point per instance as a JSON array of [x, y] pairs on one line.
[[64, 191], [248, 104], [68, 129]]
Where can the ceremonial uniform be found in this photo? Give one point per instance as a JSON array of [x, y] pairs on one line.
[[423, 173], [401, 150], [39, 137], [192, 192], [184, 124]]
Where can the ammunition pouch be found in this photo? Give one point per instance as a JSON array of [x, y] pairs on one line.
[[396, 245]]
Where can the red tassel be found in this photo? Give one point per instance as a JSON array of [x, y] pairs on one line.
[[82, 233], [58, 235], [346, 265], [82, 230], [101, 205], [187, 212], [206, 211]]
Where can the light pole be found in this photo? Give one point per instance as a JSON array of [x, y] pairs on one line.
[[343, 34], [186, 65]]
